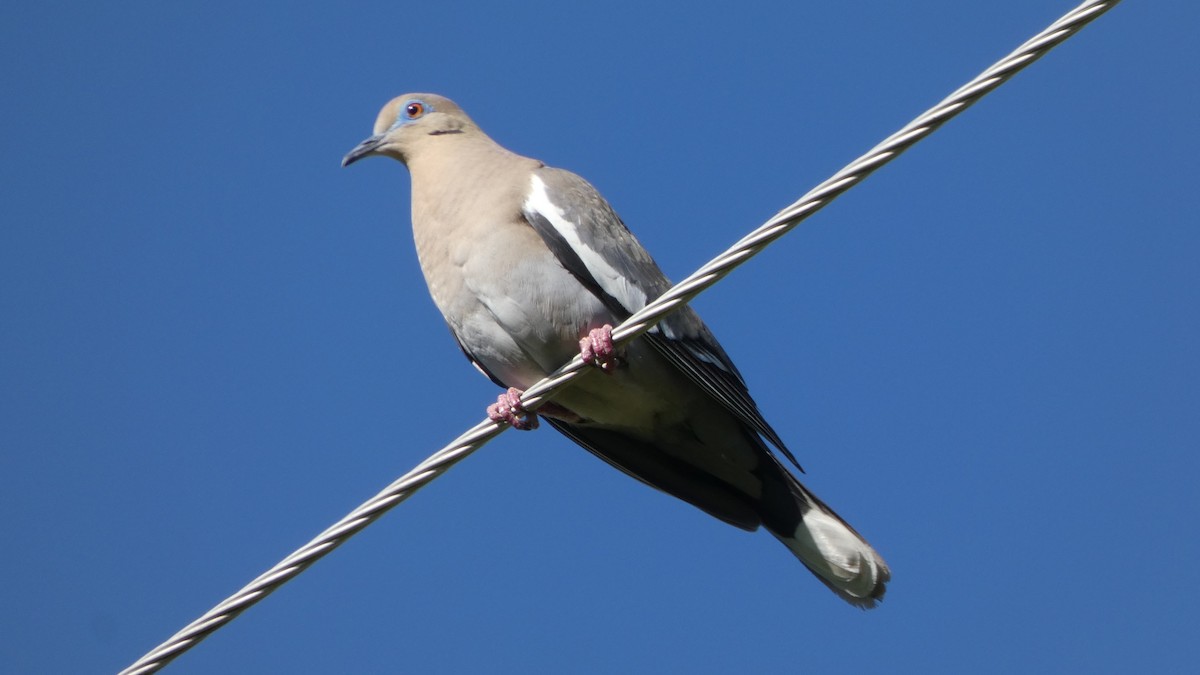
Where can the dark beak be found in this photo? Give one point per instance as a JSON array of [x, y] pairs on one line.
[[364, 149]]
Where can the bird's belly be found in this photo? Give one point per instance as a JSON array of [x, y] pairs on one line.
[[524, 318], [520, 316], [645, 396]]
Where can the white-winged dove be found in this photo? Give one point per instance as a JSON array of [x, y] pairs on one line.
[[529, 265]]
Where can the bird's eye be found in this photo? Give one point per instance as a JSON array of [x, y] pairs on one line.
[[414, 110]]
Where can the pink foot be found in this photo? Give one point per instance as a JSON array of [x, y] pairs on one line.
[[508, 408], [598, 350]]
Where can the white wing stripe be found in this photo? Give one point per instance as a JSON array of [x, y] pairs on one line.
[[609, 279]]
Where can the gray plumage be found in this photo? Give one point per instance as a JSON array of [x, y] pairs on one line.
[[523, 260]]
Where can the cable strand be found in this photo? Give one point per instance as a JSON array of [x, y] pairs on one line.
[[641, 321]]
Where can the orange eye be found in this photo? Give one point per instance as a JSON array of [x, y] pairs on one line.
[[414, 110]]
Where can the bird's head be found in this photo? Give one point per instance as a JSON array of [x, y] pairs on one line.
[[409, 121]]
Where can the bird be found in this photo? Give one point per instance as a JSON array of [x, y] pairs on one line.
[[530, 266]]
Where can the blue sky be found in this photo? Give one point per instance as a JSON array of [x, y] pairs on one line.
[[215, 341]]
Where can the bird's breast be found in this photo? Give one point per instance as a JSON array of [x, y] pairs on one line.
[[510, 303]]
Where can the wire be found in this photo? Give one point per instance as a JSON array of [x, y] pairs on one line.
[[641, 321]]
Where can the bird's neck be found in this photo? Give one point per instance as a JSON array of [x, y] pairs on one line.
[[460, 193], [468, 173]]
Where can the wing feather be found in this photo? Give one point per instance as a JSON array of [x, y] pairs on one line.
[[594, 245]]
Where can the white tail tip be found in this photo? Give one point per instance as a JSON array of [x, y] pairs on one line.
[[838, 556]]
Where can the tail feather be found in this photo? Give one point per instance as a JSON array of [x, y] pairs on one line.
[[836, 554]]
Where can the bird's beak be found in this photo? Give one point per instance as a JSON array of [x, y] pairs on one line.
[[364, 149]]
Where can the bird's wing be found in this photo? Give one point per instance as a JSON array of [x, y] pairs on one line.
[[474, 361], [592, 243], [662, 471]]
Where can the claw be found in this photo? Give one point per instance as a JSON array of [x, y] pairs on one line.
[[597, 349], [508, 408]]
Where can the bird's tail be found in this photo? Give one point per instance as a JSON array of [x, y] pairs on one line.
[[835, 553]]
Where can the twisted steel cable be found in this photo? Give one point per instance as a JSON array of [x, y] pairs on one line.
[[641, 321]]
